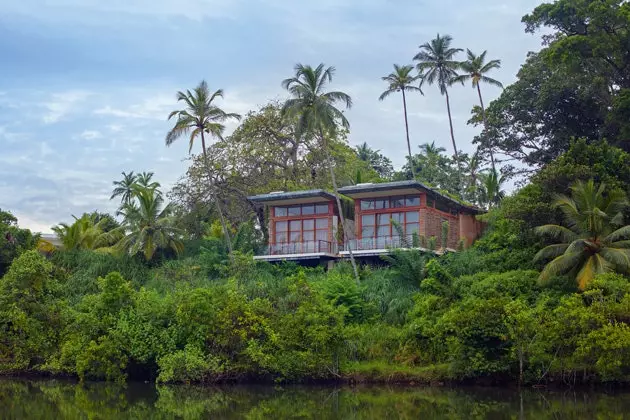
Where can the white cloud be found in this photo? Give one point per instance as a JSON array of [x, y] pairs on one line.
[[45, 150], [61, 104], [156, 107], [91, 134]]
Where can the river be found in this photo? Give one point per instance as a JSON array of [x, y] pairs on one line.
[[55, 399]]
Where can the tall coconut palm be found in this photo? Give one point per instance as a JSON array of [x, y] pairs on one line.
[[401, 80], [594, 239], [317, 115], [149, 225], [437, 65], [475, 69], [124, 187], [145, 180], [199, 117]]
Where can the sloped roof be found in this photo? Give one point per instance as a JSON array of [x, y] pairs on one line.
[[354, 190], [293, 197]]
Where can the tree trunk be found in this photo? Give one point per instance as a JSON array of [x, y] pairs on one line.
[[342, 218], [413, 170], [215, 198], [450, 122], [485, 122]]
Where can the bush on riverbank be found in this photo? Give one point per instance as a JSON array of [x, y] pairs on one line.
[[260, 322]]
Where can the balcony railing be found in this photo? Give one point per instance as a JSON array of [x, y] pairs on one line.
[[308, 247], [381, 242]]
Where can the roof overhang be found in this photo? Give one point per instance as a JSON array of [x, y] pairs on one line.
[[386, 189], [294, 197]]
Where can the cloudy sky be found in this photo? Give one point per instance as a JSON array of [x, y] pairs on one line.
[[86, 85]]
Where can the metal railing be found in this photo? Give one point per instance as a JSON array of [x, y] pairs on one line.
[[381, 242], [307, 247]]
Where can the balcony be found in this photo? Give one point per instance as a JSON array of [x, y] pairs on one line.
[[299, 251], [379, 245]]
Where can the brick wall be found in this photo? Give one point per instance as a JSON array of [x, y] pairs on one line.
[[433, 227]]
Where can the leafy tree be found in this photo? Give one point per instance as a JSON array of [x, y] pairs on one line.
[[149, 225], [474, 70], [377, 161], [199, 117], [535, 118], [401, 80], [433, 168], [29, 314], [594, 240], [264, 154], [13, 240], [317, 115], [437, 64], [575, 87]]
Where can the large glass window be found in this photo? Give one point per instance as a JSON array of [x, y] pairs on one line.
[[321, 208], [321, 223], [367, 204], [412, 200], [381, 204], [398, 202], [301, 210], [390, 202], [380, 225], [281, 232], [302, 230]]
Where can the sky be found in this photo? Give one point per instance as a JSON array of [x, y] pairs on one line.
[[86, 85]]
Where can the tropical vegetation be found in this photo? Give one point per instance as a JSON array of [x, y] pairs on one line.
[[167, 290]]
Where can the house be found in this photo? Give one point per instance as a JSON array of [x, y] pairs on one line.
[[407, 213], [303, 225]]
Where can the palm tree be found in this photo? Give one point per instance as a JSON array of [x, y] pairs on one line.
[[593, 240], [201, 116], [144, 180], [124, 187], [436, 64], [490, 193], [86, 232], [475, 69], [149, 225], [317, 115], [401, 80], [473, 165]]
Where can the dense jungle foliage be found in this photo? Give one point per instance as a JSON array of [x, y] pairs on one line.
[[171, 292]]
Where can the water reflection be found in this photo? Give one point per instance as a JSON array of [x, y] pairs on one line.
[[21, 399]]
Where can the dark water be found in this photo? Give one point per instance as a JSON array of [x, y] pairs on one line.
[[21, 399]]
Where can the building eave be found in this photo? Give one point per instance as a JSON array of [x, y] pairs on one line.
[[360, 191], [293, 197]]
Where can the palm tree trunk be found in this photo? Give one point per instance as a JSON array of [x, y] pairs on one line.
[[215, 198], [413, 170], [450, 122], [342, 218], [485, 122]]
